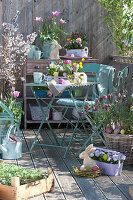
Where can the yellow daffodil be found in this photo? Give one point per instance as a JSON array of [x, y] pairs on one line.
[[68, 39], [74, 63], [83, 59]]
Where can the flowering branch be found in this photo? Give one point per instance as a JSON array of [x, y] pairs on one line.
[[14, 51]]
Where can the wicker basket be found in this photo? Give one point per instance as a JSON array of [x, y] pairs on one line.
[[121, 143], [89, 173]]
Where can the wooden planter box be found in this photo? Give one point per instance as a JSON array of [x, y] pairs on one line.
[[131, 191], [22, 192]]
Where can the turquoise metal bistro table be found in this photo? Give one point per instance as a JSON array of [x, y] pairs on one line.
[[65, 103]]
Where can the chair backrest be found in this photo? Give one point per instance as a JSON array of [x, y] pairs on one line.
[[104, 74], [91, 69], [122, 77]]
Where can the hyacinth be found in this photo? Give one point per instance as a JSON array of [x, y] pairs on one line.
[[113, 113], [14, 52], [107, 157]]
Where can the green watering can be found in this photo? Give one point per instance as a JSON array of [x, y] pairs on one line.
[[32, 52]]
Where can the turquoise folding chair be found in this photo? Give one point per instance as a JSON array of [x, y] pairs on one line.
[[94, 71]]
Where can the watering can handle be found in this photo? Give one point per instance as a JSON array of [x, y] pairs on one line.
[[9, 131]]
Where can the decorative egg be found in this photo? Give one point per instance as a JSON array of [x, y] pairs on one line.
[[116, 131], [122, 131], [81, 167], [61, 80], [108, 130], [95, 168]]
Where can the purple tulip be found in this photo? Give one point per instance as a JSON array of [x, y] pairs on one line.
[[97, 101], [104, 97], [121, 91], [110, 96]]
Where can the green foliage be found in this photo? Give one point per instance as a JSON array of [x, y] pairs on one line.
[[26, 176], [119, 18]]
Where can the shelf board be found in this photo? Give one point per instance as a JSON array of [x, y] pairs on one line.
[[50, 121], [49, 98]]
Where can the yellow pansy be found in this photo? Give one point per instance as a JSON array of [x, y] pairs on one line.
[[68, 39], [80, 63], [81, 66], [83, 59]]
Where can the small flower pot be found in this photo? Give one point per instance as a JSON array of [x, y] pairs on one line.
[[110, 169], [78, 52]]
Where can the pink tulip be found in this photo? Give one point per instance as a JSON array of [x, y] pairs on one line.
[[16, 94], [67, 62], [78, 40], [56, 13], [39, 19], [62, 21], [74, 69]]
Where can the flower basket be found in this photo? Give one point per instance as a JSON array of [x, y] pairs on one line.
[[110, 168], [121, 143], [36, 113], [89, 173]]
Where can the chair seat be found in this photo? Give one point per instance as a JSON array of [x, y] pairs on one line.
[[69, 102]]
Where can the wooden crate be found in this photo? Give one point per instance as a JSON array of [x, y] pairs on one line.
[[131, 191], [22, 192]]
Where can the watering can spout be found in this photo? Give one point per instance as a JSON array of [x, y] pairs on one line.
[[3, 149]]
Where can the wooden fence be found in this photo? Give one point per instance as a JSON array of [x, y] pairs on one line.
[[81, 16]]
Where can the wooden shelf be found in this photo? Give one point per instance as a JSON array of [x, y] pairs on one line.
[[40, 66]]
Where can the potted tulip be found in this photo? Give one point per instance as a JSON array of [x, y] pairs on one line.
[[48, 35]]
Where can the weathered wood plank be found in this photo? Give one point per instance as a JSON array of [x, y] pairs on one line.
[[87, 186], [106, 185], [41, 162], [66, 181], [26, 161]]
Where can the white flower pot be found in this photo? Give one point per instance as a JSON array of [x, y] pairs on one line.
[[78, 52]]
